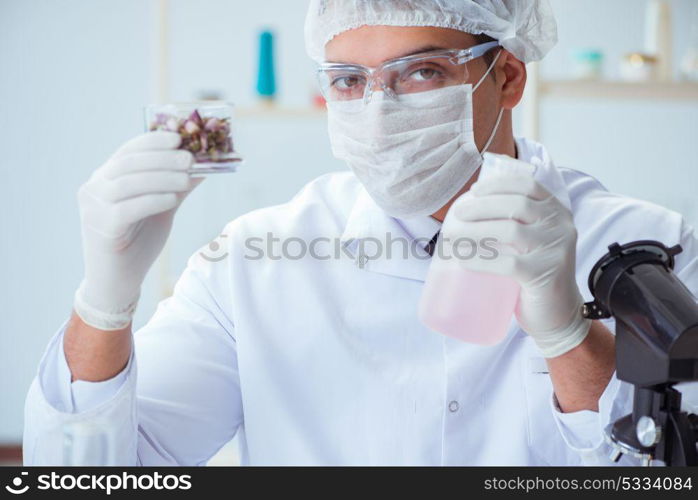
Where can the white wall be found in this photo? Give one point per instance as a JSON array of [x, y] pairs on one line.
[[640, 148], [74, 75]]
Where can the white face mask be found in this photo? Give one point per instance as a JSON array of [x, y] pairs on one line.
[[412, 156]]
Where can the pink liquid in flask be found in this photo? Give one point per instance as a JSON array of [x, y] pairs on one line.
[[468, 305]]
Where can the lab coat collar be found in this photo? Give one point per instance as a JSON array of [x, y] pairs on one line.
[[369, 227], [378, 241]]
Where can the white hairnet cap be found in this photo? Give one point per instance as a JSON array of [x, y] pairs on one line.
[[526, 28]]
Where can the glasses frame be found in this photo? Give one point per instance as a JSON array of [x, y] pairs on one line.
[[455, 56]]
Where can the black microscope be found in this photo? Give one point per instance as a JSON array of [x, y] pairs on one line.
[[656, 348]]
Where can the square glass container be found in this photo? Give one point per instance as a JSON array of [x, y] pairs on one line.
[[206, 129]]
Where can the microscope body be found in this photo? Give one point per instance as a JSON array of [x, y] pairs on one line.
[[656, 347]]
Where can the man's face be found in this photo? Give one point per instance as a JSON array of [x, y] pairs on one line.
[[372, 45]]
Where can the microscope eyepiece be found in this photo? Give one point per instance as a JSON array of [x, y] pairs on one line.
[[619, 259]]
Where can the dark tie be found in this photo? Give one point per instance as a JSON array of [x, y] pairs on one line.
[[432, 244]]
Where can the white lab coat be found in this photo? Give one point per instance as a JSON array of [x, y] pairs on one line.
[[323, 361]]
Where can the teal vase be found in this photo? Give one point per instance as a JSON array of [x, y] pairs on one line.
[[266, 81]]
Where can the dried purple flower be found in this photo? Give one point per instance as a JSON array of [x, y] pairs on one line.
[[207, 138]]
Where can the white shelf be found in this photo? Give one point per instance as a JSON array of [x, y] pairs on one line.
[[279, 112], [619, 90]]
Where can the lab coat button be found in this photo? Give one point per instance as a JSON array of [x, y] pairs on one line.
[[453, 406]]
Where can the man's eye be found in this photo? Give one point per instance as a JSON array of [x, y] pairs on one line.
[[424, 74], [345, 82]]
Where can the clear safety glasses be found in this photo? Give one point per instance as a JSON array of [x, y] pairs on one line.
[[398, 77]]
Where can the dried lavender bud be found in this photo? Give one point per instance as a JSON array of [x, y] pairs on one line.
[[212, 124], [194, 146], [191, 127], [196, 118], [172, 124]]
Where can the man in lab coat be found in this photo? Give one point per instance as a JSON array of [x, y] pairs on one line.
[[317, 356]]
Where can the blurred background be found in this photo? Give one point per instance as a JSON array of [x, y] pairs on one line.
[[617, 98]]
